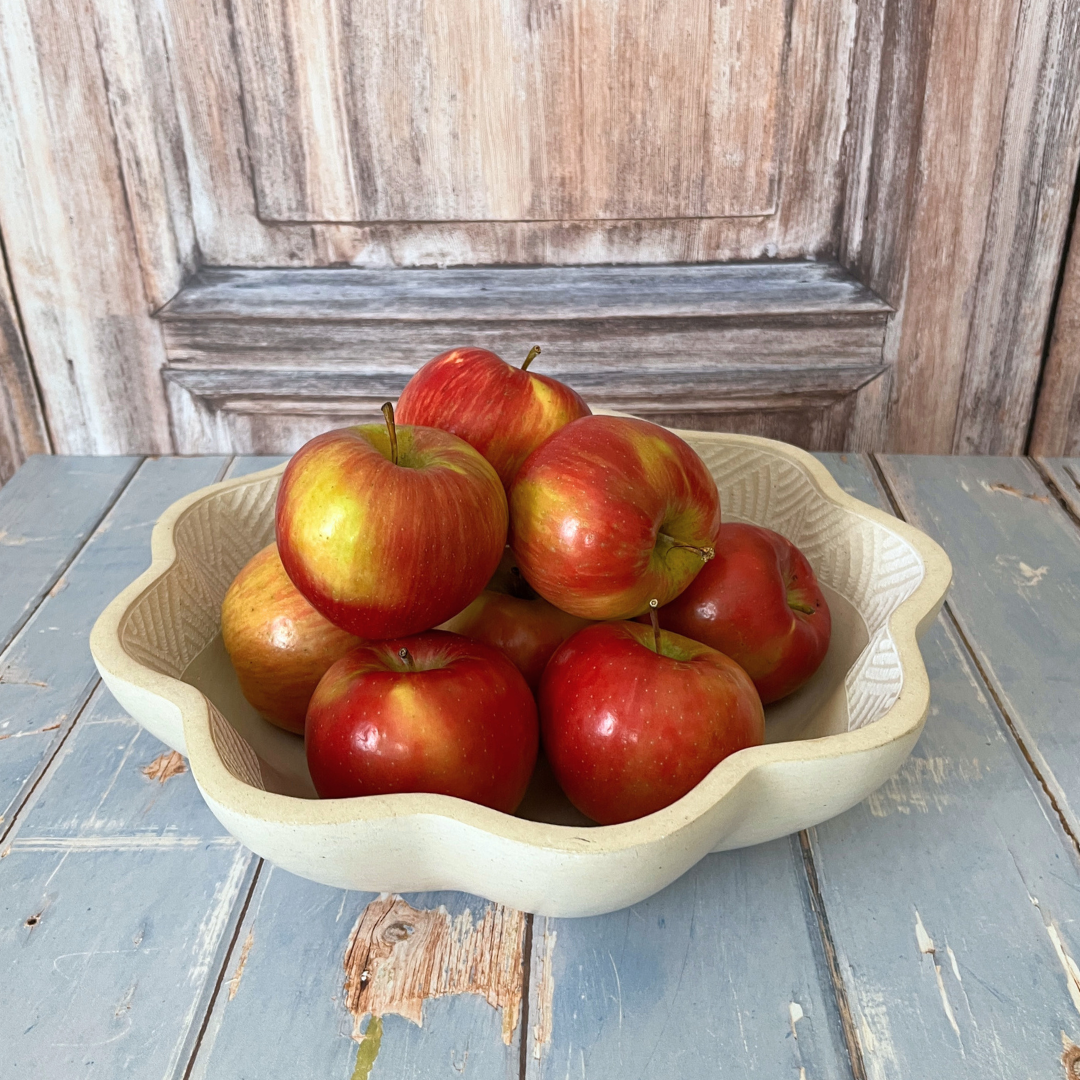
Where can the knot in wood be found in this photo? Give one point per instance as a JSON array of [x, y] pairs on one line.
[[397, 931]]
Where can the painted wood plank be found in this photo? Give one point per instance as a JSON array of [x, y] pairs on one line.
[[1064, 473], [1015, 593], [282, 999], [47, 510], [47, 673], [722, 973], [253, 463], [119, 895], [950, 892], [1057, 413]]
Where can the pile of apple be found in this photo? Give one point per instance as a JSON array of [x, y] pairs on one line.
[[541, 541]]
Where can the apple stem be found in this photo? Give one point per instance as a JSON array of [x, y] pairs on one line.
[[534, 352], [391, 427], [655, 620], [797, 605], [406, 659], [706, 553]]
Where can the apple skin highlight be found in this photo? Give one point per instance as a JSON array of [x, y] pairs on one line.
[[434, 713], [382, 549], [503, 411], [610, 513], [628, 730]]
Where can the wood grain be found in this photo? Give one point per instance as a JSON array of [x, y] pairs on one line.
[[22, 423], [516, 111], [1025, 232], [69, 239], [953, 879], [262, 360], [1014, 594], [1064, 474], [1057, 415], [118, 898], [959, 178]]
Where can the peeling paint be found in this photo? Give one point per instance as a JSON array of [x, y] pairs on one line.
[[545, 994], [398, 956], [922, 784], [795, 1012], [1070, 1057], [922, 938], [1008, 489], [1068, 964], [234, 982], [36, 731], [164, 767], [927, 948]]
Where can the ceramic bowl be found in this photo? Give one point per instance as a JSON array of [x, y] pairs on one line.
[[158, 648]]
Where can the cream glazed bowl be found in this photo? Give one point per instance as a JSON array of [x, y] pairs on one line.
[[158, 647]]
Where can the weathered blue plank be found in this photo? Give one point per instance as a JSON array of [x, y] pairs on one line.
[[119, 894], [721, 974], [253, 463], [1015, 594], [951, 890], [47, 673], [47, 510], [281, 1001]]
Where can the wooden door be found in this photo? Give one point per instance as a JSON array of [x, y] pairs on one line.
[[231, 223]]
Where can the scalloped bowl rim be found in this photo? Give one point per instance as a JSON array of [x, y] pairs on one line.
[[902, 721]]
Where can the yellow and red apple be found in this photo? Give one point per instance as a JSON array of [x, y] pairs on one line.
[[278, 643], [431, 713], [503, 411], [610, 513], [389, 530]]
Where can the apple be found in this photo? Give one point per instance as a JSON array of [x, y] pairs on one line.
[[610, 513], [278, 643], [510, 616], [632, 718], [759, 602], [435, 712], [390, 530], [503, 411]]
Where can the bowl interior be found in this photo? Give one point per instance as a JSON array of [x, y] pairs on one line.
[[866, 571]]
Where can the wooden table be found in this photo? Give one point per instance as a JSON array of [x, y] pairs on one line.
[[932, 931]]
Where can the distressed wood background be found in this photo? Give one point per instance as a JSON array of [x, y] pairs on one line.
[[921, 153]]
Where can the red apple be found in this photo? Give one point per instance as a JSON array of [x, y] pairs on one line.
[[610, 513], [435, 712], [628, 729], [511, 617], [759, 602], [504, 412], [388, 531], [278, 643]]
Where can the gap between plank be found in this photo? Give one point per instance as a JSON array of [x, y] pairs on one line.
[[817, 906], [224, 968], [1006, 716], [27, 615], [1052, 486], [526, 978]]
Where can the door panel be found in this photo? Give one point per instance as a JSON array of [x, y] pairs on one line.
[[477, 110]]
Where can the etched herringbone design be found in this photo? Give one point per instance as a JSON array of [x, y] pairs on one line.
[[864, 561]]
